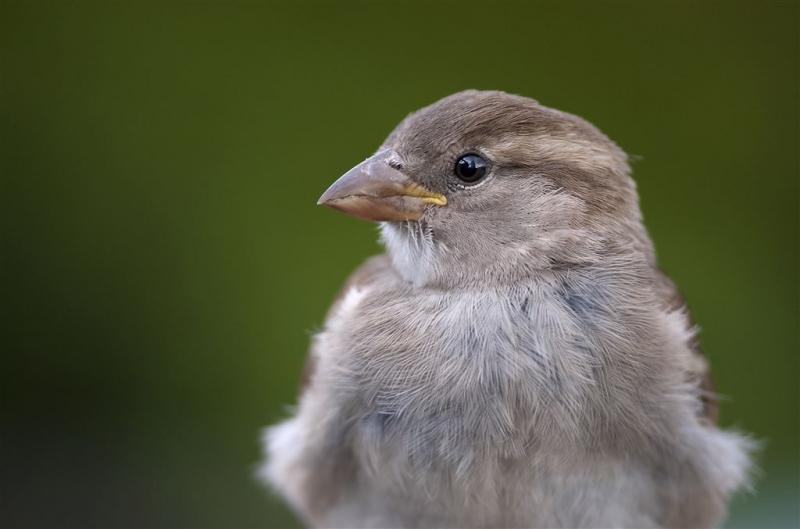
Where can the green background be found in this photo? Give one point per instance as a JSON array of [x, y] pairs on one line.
[[164, 263]]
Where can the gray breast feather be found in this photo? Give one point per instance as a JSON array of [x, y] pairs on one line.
[[496, 407]]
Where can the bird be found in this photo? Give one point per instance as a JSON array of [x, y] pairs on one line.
[[516, 357]]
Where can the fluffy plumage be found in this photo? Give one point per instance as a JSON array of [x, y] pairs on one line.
[[517, 359]]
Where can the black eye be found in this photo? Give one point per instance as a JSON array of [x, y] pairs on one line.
[[470, 168]]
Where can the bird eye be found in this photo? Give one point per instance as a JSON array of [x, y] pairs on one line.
[[470, 168]]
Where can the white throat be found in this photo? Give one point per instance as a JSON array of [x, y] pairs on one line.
[[411, 248]]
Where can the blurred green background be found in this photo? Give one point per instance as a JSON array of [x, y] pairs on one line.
[[164, 263]]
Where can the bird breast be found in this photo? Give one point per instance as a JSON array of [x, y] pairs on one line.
[[441, 374]]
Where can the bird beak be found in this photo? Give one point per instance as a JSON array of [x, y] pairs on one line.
[[374, 190]]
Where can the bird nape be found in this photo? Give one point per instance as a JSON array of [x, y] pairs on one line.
[[516, 358]]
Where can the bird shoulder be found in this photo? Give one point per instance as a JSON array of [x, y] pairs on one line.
[[370, 271], [700, 372]]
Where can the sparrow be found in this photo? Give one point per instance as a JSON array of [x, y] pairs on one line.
[[516, 358]]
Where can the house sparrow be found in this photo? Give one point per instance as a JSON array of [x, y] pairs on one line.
[[516, 358]]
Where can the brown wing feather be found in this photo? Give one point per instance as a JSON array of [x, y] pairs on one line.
[[368, 272], [701, 371]]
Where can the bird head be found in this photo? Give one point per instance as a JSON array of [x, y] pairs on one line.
[[489, 186]]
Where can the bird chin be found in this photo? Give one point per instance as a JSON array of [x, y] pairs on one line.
[[411, 248]]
